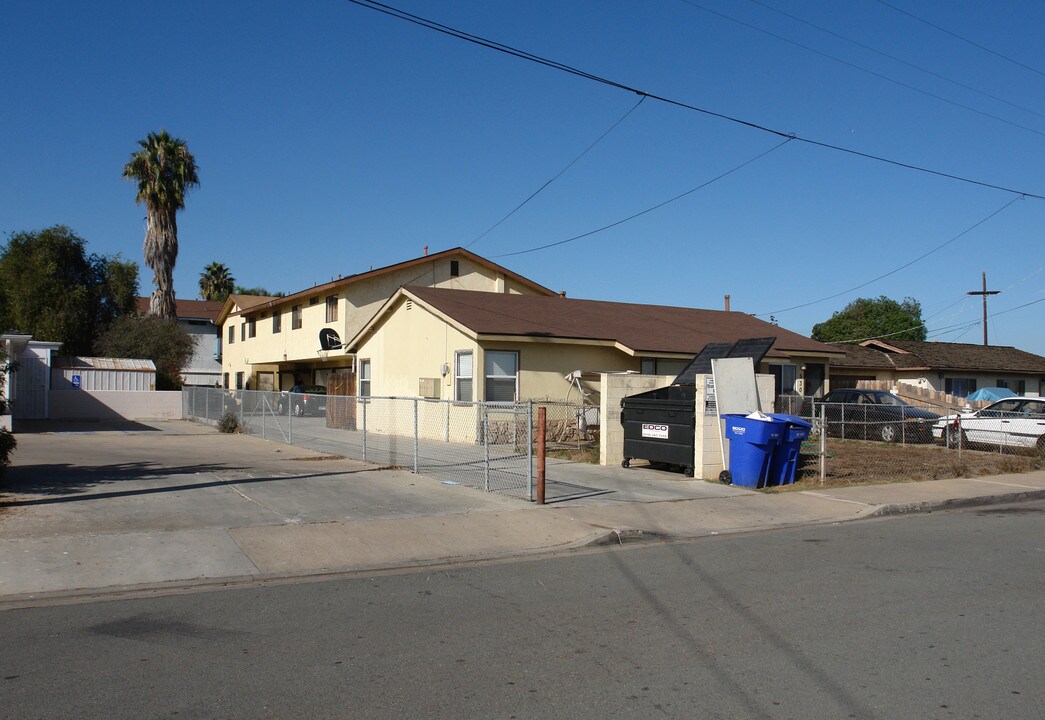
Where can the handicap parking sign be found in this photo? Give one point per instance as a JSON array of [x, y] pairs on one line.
[[76, 381]]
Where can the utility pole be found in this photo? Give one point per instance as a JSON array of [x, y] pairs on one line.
[[985, 292]]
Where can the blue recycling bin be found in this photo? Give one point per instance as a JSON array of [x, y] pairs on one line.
[[751, 444], [784, 463]]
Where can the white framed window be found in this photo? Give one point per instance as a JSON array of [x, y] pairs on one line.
[[364, 378], [295, 317], [277, 322], [502, 376], [332, 309], [785, 375], [463, 376]]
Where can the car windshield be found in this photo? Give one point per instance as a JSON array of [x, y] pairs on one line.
[[884, 398]]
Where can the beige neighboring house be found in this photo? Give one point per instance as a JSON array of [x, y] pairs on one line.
[[954, 368], [464, 346], [271, 343]]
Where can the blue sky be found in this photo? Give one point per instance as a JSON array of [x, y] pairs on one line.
[[331, 139]]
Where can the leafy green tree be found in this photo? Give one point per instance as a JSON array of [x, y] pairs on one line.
[[149, 337], [873, 318], [164, 170], [216, 282], [240, 290], [53, 289]]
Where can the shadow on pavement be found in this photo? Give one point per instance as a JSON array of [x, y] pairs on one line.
[[81, 426]]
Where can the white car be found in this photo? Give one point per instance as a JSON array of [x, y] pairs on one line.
[[1013, 422]]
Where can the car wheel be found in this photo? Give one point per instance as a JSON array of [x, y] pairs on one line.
[[279, 408], [956, 438], [626, 462], [298, 410], [889, 433]]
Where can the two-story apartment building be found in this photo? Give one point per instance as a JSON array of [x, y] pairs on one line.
[[272, 343]]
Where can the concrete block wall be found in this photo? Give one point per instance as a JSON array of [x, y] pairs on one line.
[[614, 387]]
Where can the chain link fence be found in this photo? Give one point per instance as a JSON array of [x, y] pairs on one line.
[[570, 426], [486, 446], [854, 442]]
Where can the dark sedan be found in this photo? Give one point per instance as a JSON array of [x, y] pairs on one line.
[[875, 415], [304, 400]]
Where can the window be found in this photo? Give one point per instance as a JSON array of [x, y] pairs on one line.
[[239, 381], [455, 268], [662, 366], [785, 376], [1001, 383], [1021, 387], [232, 334], [251, 327], [463, 376], [959, 386], [332, 309], [502, 376], [277, 322], [225, 381], [364, 378], [295, 317], [313, 301], [243, 330]]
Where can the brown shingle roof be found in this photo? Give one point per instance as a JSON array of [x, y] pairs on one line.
[[186, 309], [960, 356], [641, 328]]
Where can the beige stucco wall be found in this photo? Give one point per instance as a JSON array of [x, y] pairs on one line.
[[358, 302], [1034, 384], [114, 405]]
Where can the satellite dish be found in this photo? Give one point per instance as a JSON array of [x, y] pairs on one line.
[[329, 339]]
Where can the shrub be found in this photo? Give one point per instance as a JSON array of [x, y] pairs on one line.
[[228, 423], [7, 446]]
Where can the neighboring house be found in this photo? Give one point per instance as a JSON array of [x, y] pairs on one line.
[[954, 368], [468, 346], [272, 343], [197, 318]]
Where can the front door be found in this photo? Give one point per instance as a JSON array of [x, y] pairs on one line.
[[814, 380]]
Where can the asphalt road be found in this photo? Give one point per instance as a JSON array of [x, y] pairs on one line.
[[936, 616]]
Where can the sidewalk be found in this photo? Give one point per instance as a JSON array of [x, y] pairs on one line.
[[236, 525]]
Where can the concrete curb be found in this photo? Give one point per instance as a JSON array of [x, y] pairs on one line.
[[928, 506]]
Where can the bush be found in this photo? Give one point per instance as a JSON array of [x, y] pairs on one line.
[[7, 446], [228, 423]]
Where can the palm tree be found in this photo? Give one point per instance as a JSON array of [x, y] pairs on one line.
[[164, 170], [216, 282]]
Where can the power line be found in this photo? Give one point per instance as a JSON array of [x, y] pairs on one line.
[[863, 69], [895, 270], [562, 67], [894, 58], [559, 174], [963, 39], [649, 209]]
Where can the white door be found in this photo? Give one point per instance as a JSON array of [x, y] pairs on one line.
[[30, 380]]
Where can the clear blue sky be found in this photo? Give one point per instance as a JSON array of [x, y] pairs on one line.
[[331, 139]]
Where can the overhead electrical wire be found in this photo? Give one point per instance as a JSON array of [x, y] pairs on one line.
[[936, 249], [879, 75], [560, 173], [894, 58], [562, 67], [956, 36], [649, 209]]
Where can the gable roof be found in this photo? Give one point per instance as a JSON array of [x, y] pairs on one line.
[[967, 357], [636, 329], [369, 274], [185, 309]]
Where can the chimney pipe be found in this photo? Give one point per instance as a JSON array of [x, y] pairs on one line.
[[562, 293], [727, 303], [426, 251]]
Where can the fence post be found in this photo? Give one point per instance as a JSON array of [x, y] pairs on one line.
[[823, 442], [447, 430], [364, 404], [529, 448], [958, 424], [542, 420], [486, 447], [415, 435]]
